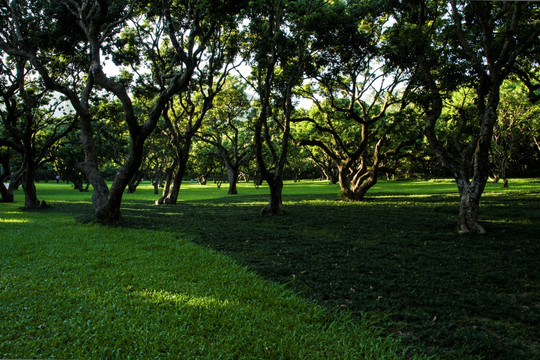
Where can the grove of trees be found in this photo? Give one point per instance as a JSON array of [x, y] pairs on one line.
[[113, 91]]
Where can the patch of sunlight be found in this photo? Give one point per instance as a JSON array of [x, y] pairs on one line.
[[12, 221], [163, 296]]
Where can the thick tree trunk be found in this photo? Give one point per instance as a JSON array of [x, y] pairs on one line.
[[275, 205], [358, 190], [109, 211], [469, 204], [30, 194]]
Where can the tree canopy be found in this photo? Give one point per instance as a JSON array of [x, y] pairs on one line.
[[174, 89]]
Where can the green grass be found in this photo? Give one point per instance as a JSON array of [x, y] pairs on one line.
[[393, 263], [84, 291]]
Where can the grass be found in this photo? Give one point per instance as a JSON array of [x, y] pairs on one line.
[[393, 263]]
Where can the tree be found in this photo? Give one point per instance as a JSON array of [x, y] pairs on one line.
[[278, 53], [353, 89], [170, 36], [227, 129], [473, 44], [515, 132], [32, 125]]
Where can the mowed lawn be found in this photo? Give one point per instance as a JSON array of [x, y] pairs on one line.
[[210, 278]]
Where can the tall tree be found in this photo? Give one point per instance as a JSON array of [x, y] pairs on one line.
[[474, 44], [353, 89], [186, 112], [279, 52]]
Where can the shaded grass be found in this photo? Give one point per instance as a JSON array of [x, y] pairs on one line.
[[395, 258]]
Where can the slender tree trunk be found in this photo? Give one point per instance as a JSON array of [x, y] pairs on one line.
[[167, 186], [172, 196]]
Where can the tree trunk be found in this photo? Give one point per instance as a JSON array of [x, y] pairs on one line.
[[7, 197], [232, 176], [357, 189], [30, 195], [172, 196], [168, 181], [469, 204], [275, 205], [108, 212]]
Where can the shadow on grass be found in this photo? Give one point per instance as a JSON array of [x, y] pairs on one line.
[[460, 297]]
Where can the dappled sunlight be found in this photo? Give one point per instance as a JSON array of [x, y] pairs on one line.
[[14, 221], [207, 302]]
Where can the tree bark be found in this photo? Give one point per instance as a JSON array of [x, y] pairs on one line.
[[30, 194], [469, 204], [275, 204], [172, 196], [232, 176]]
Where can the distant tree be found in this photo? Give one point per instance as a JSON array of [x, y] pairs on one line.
[[228, 131], [515, 132]]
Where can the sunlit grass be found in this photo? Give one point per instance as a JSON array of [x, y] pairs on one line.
[[77, 291], [391, 265]]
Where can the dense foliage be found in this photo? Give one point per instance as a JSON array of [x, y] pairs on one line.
[[347, 90]]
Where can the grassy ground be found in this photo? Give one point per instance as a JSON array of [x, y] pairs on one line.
[[394, 259]]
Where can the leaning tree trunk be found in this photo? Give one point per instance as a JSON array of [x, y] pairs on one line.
[[109, 211]]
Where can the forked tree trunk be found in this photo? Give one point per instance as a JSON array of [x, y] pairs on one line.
[[355, 189], [172, 197]]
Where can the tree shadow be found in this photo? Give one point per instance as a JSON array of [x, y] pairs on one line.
[[446, 294]]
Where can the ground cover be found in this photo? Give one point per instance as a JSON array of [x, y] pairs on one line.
[[85, 291], [394, 259]]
